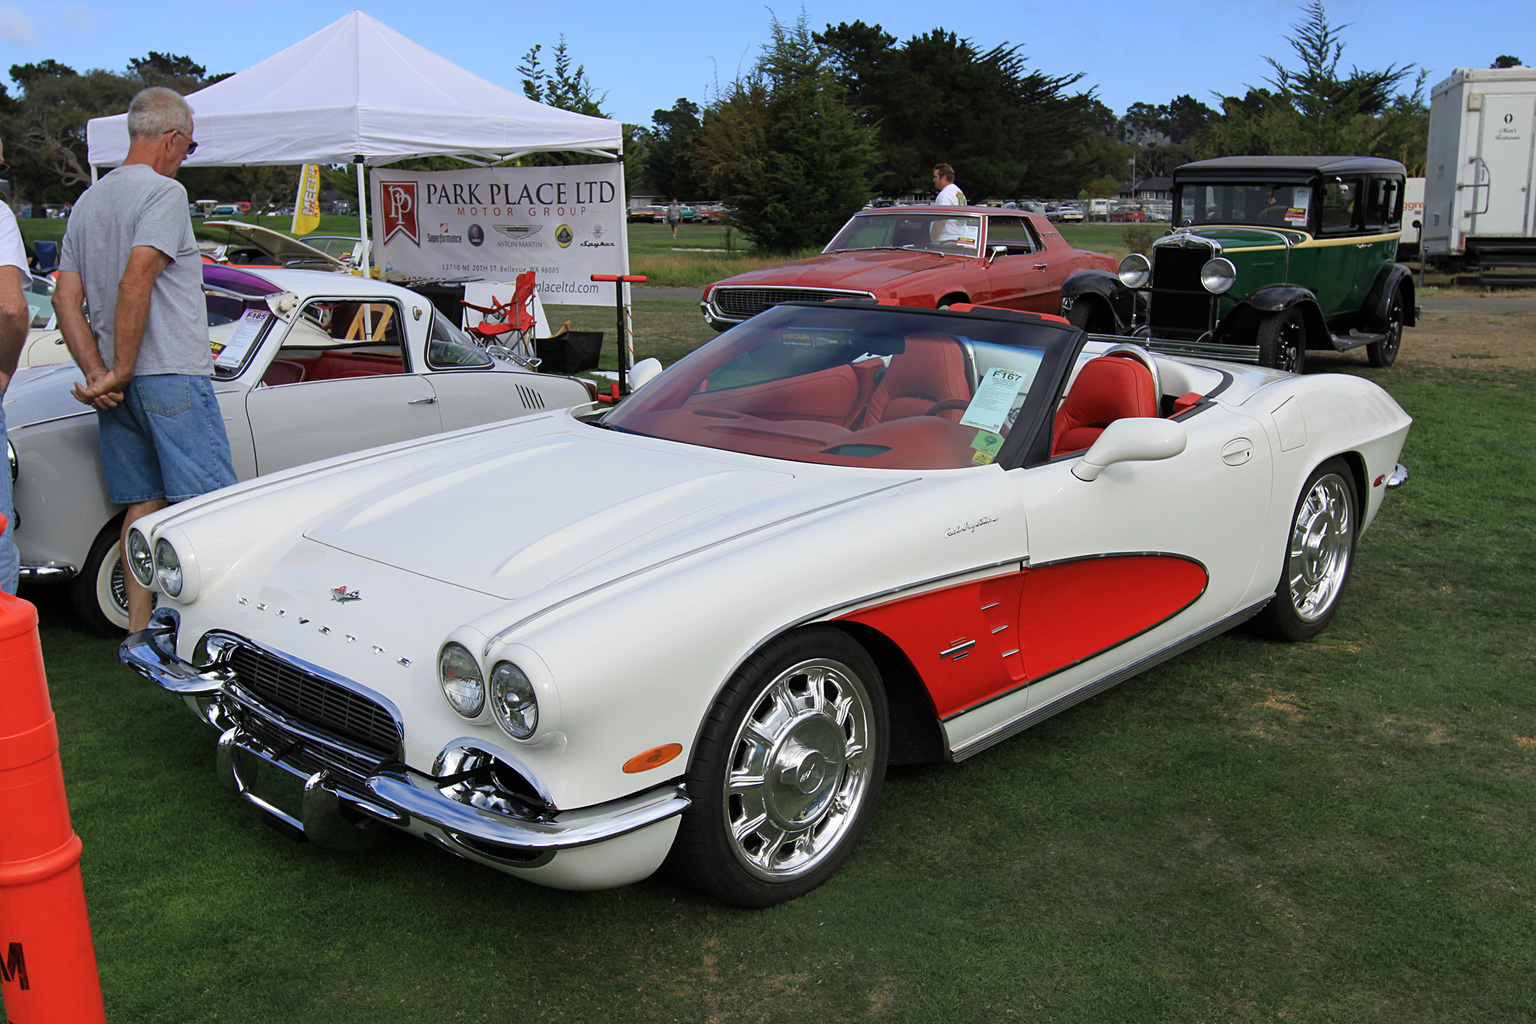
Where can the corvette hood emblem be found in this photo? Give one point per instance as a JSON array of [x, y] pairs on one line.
[[342, 595]]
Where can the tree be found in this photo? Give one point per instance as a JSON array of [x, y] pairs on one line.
[[785, 146], [560, 87], [158, 68], [1314, 108], [670, 161], [1506, 61], [1007, 130]]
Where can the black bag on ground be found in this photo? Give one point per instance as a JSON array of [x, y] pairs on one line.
[[570, 351]]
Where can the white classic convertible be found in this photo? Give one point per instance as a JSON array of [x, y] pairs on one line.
[[307, 365], [697, 627]]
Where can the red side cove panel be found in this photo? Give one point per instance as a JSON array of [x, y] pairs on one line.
[[963, 640], [975, 641], [1073, 610]]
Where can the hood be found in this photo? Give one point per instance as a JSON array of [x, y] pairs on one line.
[[283, 249], [871, 270], [512, 511], [1239, 236], [41, 393]]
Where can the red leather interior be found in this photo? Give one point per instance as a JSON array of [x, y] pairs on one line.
[[930, 369], [1106, 389], [332, 365], [283, 371]]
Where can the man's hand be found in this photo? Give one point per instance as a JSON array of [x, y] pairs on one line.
[[102, 390]]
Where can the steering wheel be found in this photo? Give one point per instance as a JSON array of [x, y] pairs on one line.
[[946, 405]]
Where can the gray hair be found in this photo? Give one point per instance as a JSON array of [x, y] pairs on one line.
[[157, 110]]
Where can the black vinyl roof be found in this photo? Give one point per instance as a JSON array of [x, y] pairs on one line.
[[1286, 166]]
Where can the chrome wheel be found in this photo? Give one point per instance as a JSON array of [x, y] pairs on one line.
[[786, 772], [1319, 552], [1322, 541], [800, 770]]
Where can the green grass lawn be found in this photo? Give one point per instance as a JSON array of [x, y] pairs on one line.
[[1333, 831]]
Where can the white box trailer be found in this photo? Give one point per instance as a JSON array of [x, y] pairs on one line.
[[1479, 200], [1413, 220]]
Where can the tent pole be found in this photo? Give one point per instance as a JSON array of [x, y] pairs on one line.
[[362, 211]]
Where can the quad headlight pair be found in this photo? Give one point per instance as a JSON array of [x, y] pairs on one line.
[[1217, 276], [513, 702], [164, 565]]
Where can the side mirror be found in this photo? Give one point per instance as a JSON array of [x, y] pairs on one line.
[[1135, 439], [996, 251]]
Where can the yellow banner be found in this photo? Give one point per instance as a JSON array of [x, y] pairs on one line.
[[306, 208]]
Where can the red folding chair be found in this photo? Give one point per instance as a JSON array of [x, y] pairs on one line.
[[509, 324]]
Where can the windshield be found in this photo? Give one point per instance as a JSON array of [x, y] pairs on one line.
[[926, 231], [1274, 204], [856, 387]]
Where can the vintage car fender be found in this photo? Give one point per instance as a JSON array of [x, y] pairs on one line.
[[1121, 301], [1243, 320], [1391, 278]]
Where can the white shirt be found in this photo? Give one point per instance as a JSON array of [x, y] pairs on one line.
[[950, 195]]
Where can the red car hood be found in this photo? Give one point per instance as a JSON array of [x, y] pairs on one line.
[[872, 270]]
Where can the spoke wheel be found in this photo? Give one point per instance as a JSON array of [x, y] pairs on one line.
[[1319, 554], [787, 772], [1384, 352], [99, 592], [1282, 341]]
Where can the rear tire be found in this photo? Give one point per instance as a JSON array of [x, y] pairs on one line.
[[1384, 352], [787, 771], [1320, 551], [99, 592], [1282, 341]]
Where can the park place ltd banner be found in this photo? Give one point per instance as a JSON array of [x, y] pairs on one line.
[[563, 223]]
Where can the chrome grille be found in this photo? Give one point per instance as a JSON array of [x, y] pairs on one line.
[[314, 701], [1179, 306], [741, 303]]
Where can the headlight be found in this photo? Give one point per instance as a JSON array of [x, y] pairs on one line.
[[1218, 275], [513, 701], [1135, 271], [140, 560], [168, 568], [459, 675]]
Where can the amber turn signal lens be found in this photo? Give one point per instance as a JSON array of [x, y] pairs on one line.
[[653, 758]]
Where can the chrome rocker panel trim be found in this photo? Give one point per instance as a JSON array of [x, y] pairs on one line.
[[339, 807]]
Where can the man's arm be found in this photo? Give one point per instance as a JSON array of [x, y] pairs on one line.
[[145, 263], [15, 317]]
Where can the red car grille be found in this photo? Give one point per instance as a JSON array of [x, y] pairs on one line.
[[741, 303]]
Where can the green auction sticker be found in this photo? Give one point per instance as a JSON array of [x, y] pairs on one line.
[[986, 445]]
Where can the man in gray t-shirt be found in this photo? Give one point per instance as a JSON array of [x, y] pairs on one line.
[[129, 263]]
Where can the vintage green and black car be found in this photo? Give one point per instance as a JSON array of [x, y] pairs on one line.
[[1269, 256]]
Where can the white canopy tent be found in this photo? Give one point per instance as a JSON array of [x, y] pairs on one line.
[[358, 92]]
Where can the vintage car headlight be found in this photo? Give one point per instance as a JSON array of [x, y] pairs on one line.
[[140, 559], [1135, 271], [1218, 275], [513, 701], [459, 675], [168, 567]]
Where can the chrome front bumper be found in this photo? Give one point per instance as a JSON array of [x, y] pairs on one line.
[[467, 810]]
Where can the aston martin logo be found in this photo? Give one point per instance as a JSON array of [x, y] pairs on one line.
[[519, 230], [342, 595]]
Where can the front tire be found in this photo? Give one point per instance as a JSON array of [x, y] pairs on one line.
[[1320, 551], [787, 771], [99, 593], [1384, 352], [1282, 341], [1092, 316]]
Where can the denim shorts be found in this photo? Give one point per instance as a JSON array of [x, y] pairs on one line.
[[165, 439]]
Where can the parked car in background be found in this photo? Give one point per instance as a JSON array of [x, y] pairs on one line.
[[1271, 256], [647, 214], [253, 246], [703, 623], [229, 209], [307, 365], [917, 256]]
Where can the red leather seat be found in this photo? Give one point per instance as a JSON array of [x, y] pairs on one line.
[[283, 371], [932, 368], [1107, 389]]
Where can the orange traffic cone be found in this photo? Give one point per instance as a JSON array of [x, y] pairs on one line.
[[47, 963]]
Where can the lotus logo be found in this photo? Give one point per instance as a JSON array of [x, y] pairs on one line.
[[564, 235], [342, 595]]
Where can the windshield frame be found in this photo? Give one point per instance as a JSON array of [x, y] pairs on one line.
[[957, 234]]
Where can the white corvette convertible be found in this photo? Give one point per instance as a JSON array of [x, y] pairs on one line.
[[694, 629]]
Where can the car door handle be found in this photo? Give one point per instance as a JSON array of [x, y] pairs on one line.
[[1041, 266], [432, 400]]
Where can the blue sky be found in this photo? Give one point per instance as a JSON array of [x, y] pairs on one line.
[[645, 56]]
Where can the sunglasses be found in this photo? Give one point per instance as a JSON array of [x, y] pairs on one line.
[[191, 143]]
